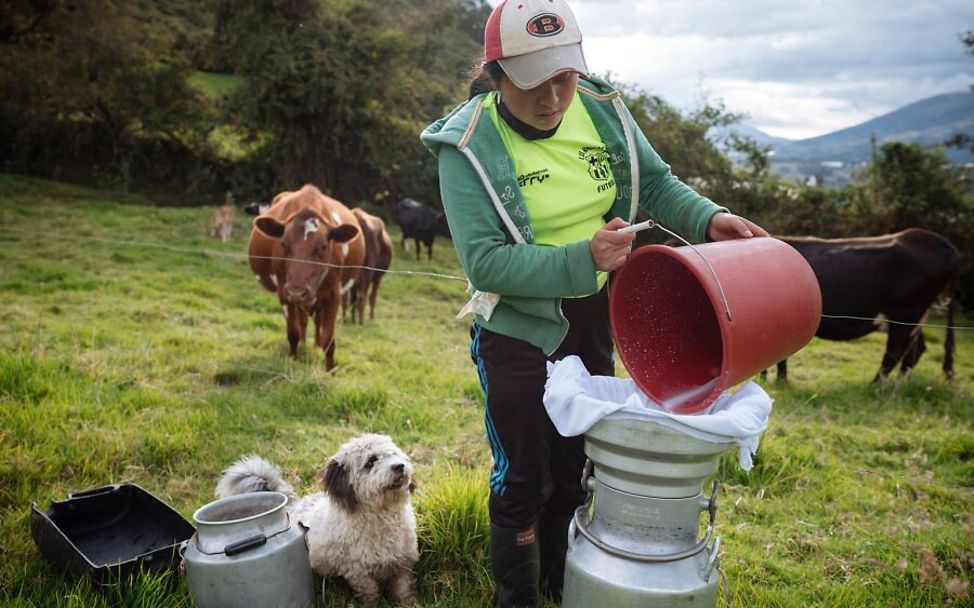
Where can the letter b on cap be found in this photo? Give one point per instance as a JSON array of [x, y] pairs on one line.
[[545, 24]]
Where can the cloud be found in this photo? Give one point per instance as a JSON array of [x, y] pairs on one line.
[[799, 68]]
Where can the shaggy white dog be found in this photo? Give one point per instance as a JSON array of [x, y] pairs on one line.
[[361, 526]]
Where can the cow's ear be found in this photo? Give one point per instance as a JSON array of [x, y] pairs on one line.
[[343, 233], [269, 226]]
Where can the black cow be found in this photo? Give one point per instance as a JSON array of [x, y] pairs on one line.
[[894, 278], [420, 223], [256, 209]]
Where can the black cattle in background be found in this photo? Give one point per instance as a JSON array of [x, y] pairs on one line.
[[894, 278], [421, 223], [256, 209]]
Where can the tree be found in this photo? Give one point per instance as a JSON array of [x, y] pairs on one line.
[[962, 140], [911, 187], [681, 140], [916, 187], [343, 89], [91, 76], [21, 18]]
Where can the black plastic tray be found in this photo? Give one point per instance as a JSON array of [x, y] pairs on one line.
[[110, 532]]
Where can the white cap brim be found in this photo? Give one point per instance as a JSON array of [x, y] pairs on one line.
[[531, 69]]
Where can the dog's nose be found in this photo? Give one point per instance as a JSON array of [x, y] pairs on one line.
[[399, 468]]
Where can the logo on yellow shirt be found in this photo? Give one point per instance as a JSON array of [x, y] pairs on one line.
[[598, 162], [535, 177]]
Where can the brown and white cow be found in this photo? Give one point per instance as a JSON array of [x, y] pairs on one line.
[[892, 279], [378, 258], [221, 222], [308, 249]]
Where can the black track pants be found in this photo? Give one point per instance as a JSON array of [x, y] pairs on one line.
[[534, 467]]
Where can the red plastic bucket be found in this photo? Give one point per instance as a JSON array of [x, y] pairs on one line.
[[689, 323]]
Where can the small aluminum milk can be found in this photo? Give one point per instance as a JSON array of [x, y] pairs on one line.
[[247, 551]]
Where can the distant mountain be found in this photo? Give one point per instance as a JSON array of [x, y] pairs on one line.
[[927, 122], [721, 134]]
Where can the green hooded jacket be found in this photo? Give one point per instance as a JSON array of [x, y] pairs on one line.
[[492, 232]]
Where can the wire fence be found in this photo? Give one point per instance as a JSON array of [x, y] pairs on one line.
[[435, 275]]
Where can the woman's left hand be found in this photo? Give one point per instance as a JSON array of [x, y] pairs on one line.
[[726, 226]]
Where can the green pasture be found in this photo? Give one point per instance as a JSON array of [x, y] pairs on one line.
[[214, 85], [229, 141], [134, 348]]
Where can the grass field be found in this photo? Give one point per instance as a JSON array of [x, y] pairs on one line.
[[214, 85], [133, 348]]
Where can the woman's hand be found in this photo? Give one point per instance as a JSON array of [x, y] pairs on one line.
[[725, 226], [610, 248]]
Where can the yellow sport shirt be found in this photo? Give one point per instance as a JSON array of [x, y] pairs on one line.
[[566, 179]]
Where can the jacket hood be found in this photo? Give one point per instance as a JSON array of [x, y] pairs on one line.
[[451, 128]]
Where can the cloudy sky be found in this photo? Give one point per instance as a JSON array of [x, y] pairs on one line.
[[797, 68]]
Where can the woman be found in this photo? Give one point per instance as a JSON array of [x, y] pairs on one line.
[[537, 177]]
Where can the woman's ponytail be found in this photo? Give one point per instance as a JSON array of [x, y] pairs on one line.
[[483, 78]]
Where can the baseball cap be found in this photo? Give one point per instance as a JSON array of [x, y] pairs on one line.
[[533, 40]]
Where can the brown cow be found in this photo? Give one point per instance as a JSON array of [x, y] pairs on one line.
[[894, 278], [307, 248], [378, 258]]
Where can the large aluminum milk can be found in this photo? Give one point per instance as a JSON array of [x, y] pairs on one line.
[[247, 551], [635, 543]]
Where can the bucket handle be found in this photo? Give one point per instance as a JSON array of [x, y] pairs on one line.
[[713, 273]]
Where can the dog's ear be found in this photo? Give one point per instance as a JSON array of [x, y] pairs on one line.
[[335, 483]]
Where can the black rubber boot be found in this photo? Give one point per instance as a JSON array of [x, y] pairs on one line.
[[514, 563], [553, 544]]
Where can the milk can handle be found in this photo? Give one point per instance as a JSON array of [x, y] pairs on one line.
[[713, 561], [577, 526], [243, 545], [581, 528], [572, 534], [586, 477], [711, 505]]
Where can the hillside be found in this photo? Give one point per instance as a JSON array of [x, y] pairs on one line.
[[831, 159], [927, 122]]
